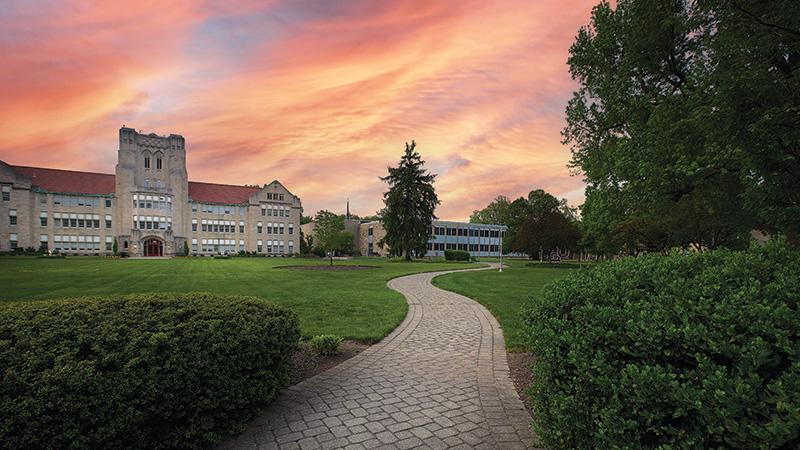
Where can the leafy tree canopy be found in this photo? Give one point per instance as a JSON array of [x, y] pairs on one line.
[[330, 235], [686, 122], [513, 214]]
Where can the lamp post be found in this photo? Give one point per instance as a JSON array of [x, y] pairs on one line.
[[501, 250]]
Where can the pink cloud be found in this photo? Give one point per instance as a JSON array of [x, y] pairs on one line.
[[322, 99]]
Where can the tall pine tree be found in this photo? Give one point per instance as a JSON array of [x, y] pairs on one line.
[[410, 203]]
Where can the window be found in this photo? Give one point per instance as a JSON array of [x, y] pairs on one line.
[[241, 227], [260, 246], [109, 243], [260, 228], [108, 221], [12, 216], [263, 210], [194, 207], [369, 232], [76, 200], [43, 218], [43, 241], [147, 183], [280, 197], [43, 198], [6, 193], [269, 195], [13, 241], [108, 203], [291, 228], [146, 162], [194, 224], [158, 163]]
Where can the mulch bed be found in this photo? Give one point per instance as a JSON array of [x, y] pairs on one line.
[[333, 268], [307, 363], [519, 367]]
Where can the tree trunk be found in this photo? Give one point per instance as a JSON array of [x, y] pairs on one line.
[[331, 258]]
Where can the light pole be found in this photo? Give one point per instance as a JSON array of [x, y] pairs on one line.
[[501, 250]]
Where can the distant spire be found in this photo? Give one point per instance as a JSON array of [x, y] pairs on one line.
[[347, 215]]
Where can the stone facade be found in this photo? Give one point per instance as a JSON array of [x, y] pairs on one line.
[[148, 206], [370, 234]]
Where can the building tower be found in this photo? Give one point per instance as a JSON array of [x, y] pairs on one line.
[[151, 193]]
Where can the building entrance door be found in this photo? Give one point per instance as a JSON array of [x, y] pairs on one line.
[[153, 247]]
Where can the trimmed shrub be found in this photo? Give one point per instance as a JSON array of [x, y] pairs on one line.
[[139, 371], [456, 255], [698, 351], [325, 344]]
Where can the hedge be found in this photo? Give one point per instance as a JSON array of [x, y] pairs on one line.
[[699, 351], [456, 255], [139, 371]]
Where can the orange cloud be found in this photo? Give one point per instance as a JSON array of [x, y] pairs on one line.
[[320, 95]]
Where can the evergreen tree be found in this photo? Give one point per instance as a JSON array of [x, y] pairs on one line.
[[410, 203], [115, 248]]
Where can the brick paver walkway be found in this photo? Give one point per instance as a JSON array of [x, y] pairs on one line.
[[440, 380]]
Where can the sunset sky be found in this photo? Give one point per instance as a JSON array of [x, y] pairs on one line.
[[320, 95]]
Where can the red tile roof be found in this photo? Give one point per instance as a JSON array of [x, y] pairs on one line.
[[220, 193], [74, 182], [68, 181]]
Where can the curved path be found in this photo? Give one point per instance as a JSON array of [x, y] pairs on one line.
[[440, 380]]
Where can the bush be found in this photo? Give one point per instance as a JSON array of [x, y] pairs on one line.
[[325, 344], [139, 371], [456, 255], [699, 351]]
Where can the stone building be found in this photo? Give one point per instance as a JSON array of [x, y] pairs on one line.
[[148, 206]]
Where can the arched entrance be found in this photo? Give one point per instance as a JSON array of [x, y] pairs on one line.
[[153, 247]]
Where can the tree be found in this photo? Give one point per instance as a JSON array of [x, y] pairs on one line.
[[409, 203], [547, 231], [306, 243], [688, 108], [513, 214], [115, 247], [330, 233], [185, 248], [305, 219]]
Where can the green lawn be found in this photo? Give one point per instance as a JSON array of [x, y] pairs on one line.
[[504, 294], [352, 304]]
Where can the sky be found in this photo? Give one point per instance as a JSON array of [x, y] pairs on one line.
[[321, 95]]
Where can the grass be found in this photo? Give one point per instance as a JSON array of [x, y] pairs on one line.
[[352, 304], [505, 294]]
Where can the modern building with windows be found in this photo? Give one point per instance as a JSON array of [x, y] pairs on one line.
[[478, 239], [148, 205]]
